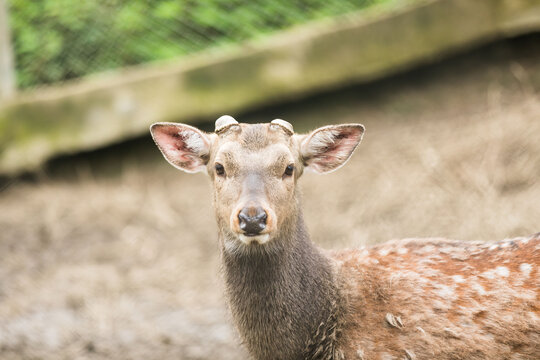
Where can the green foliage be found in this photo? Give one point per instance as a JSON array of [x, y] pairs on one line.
[[56, 40]]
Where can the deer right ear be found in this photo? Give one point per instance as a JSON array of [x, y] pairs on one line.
[[183, 146]]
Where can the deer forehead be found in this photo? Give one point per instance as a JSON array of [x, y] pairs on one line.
[[235, 153], [257, 136]]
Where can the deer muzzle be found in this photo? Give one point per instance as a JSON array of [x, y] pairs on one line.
[[252, 220], [253, 224]]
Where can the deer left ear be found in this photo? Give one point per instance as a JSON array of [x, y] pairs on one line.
[[183, 146], [328, 148]]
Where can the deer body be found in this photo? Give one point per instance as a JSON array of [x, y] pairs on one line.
[[408, 299], [442, 299]]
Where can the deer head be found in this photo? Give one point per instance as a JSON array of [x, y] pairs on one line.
[[254, 170]]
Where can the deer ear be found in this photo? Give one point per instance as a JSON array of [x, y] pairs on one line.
[[328, 148], [183, 146]]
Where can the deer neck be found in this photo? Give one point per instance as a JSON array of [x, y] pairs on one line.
[[283, 296]]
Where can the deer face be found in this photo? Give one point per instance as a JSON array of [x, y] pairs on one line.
[[254, 169]]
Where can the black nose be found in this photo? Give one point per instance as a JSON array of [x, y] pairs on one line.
[[252, 220]]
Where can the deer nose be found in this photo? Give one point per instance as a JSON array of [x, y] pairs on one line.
[[252, 220]]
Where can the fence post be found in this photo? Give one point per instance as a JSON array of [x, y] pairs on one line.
[[7, 68]]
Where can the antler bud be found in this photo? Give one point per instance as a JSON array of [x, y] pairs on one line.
[[284, 125], [224, 122]]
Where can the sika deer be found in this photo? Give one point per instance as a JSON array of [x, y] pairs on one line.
[[406, 299]]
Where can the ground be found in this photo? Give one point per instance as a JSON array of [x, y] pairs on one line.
[[113, 254]]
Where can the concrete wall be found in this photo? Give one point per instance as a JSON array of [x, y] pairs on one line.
[[328, 54]]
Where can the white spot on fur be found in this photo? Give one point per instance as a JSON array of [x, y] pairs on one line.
[[428, 249], [438, 305], [489, 274], [525, 269], [444, 291], [479, 289], [384, 252], [499, 271], [458, 279], [502, 271], [402, 251], [494, 247]]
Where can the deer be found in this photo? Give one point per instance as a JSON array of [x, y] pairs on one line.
[[430, 298]]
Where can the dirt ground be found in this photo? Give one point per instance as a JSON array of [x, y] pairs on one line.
[[113, 254]]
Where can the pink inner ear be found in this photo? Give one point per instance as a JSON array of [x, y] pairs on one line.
[[334, 147], [182, 146]]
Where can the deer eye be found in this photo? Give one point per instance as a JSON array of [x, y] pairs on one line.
[[220, 170], [289, 170]]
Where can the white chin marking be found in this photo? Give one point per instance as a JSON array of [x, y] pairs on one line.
[[261, 239]]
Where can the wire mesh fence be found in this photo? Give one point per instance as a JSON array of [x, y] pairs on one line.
[[58, 40]]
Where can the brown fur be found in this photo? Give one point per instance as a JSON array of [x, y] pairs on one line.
[[284, 299], [406, 299], [456, 300]]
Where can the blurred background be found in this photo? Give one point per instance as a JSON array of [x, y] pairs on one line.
[[107, 252]]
